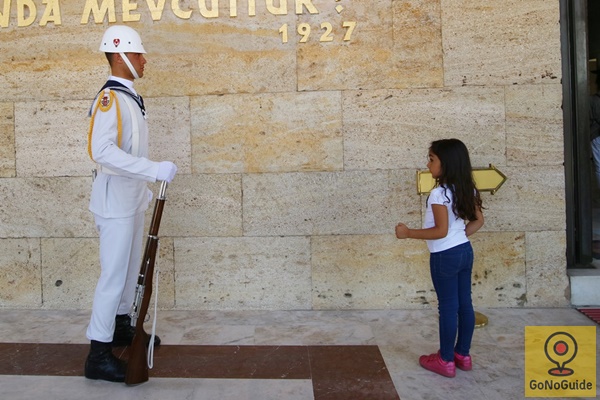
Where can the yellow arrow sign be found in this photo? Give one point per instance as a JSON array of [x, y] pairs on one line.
[[486, 180]]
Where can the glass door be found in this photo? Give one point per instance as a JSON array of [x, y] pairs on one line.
[[581, 187], [593, 48]]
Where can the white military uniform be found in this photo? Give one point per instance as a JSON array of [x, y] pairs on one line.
[[119, 199]]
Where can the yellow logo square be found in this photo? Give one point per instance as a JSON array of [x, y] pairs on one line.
[[560, 361]]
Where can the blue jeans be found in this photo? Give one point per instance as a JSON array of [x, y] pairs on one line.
[[596, 155], [451, 275]]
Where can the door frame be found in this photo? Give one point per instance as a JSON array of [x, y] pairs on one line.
[[578, 176]]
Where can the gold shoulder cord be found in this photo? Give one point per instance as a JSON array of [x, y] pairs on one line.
[[104, 108]]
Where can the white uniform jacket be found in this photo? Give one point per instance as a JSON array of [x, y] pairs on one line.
[[125, 194]]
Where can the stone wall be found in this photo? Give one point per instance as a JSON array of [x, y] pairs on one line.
[[296, 159]]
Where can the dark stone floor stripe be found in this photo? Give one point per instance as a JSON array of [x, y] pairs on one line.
[[231, 362], [350, 372], [337, 372], [42, 359]]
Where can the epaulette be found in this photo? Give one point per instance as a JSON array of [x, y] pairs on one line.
[[118, 86], [104, 103]]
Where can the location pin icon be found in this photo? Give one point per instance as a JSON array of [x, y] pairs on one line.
[[561, 349]]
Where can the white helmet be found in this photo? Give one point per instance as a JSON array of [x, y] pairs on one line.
[[121, 39]]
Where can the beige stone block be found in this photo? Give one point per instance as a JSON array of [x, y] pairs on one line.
[[66, 64], [356, 202], [393, 45], [169, 126], [45, 207], [501, 43], [394, 128], [71, 269], [201, 56], [51, 138], [7, 141], [531, 200], [270, 273], [36, 9], [418, 55], [186, 56], [275, 132], [20, 273], [370, 272], [547, 280], [164, 271], [70, 272], [499, 271], [202, 205], [534, 125]]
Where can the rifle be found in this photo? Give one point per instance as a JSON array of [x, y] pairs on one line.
[[137, 364]]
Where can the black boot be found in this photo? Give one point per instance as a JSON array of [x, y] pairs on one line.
[[124, 332], [102, 364]]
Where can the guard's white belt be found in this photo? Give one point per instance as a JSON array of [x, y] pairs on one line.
[[105, 170]]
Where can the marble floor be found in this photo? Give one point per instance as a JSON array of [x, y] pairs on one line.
[[263, 355]]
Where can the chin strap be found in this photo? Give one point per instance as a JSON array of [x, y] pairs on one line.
[[128, 63]]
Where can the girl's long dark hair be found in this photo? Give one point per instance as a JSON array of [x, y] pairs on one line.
[[457, 176]]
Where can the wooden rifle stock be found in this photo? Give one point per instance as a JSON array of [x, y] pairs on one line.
[[137, 364]]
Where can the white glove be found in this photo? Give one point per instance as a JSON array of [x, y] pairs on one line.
[[166, 171]]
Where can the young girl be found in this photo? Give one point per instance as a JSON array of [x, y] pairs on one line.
[[453, 213]]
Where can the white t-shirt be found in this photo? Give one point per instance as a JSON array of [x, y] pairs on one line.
[[456, 226]]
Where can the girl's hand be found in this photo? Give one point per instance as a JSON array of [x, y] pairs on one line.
[[402, 231]]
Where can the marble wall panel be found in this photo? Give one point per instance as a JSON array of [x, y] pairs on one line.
[[51, 62], [361, 202], [51, 138], [370, 272], [547, 280], [269, 273], [45, 207], [394, 128], [275, 132], [7, 141], [164, 271], [499, 270], [534, 125], [277, 137], [185, 56], [38, 13], [169, 126], [203, 205], [500, 43], [20, 273], [531, 200], [71, 270], [393, 45], [418, 54], [197, 56]]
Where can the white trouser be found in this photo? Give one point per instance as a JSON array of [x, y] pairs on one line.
[[120, 258]]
